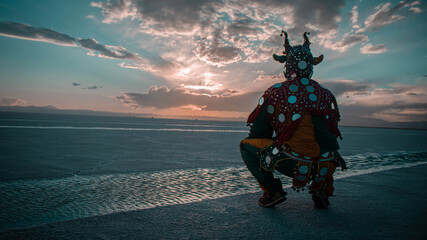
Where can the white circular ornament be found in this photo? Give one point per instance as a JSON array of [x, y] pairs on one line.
[[292, 99], [282, 117], [268, 160], [304, 81], [310, 89], [303, 169], [296, 116], [302, 64], [301, 178], [293, 88], [312, 97], [270, 109], [323, 171]]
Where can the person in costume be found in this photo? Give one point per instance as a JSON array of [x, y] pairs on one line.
[[294, 130]]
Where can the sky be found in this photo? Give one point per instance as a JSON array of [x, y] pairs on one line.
[[193, 58]]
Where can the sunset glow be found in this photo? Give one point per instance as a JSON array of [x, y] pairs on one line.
[[213, 59]]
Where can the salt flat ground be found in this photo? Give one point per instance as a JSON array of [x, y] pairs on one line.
[[383, 205]]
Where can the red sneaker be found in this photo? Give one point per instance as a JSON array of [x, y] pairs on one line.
[[271, 199], [320, 200]]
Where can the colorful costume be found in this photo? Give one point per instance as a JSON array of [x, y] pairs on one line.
[[294, 130]]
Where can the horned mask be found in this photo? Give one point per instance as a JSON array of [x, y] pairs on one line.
[[298, 59]]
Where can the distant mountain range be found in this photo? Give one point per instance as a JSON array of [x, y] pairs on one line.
[[346, 121], [53, 110], [378, 123]]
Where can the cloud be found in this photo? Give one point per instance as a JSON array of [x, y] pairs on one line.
[[157, 17], [217, 54], [354, 15], [93, 87], [359, 99], [394, 104], [27, 32], [12, 102], [396, 112], [373, 49], [164, 98], [224, 32], [105, 51], [171, 71], [262, 54], [348, 41], [415, 10], [220, 33], [385, 15], [139, 66], [114, 12], [346, 87]]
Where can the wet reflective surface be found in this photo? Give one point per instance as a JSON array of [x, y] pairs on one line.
[[61, 167]]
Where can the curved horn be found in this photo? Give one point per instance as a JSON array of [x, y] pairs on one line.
[[318, 59], [306, 41], [281, 58], [286, 45], [286, 37]]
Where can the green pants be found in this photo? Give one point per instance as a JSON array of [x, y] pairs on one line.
[[251, 157]]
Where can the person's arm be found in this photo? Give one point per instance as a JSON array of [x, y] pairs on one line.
[[261, 127], [325, 138]]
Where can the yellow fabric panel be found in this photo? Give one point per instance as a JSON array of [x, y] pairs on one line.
[[303, 140], [260, 143]]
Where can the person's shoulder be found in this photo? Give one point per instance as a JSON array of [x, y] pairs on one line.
[[319, 85], [275, 87], [315, 83]]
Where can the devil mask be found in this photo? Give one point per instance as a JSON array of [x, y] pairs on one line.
[[298, 59]]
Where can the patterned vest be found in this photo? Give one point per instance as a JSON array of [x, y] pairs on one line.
[[287, 101]]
